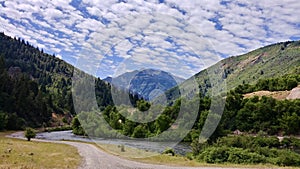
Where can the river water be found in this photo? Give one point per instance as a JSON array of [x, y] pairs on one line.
[[180, 148]]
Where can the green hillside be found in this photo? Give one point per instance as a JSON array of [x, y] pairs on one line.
[[271, 61], [35, 84]]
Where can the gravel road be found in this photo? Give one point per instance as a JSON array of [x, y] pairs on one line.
[[94, 158]]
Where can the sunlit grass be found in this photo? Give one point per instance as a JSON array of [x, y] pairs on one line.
[[22, 154], [128, 152]]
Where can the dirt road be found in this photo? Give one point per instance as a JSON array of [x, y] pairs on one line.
[[94, 158]]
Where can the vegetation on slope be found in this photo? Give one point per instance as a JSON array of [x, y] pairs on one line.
[[35, 84], [22, 102], [271, 61]]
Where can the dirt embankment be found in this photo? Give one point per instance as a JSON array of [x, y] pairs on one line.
[[279, 95]]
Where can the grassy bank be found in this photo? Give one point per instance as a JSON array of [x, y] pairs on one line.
[[164, 159], [16, 153]]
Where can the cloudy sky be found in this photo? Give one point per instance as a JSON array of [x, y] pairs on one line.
[[109, 37]]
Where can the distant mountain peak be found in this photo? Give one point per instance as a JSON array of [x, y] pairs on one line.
[[147, 83]]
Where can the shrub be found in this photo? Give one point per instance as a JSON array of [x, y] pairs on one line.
[[169, 151], [29, 133], [241, 156], [287, 158], [214, 155], [267, 142], [143, 105], [230, 154], [290, 143], [77, 128], [189, 156], [266, 152]]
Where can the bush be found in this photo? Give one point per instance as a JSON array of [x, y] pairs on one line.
[[241, 156], [290, 143], [248, 142], [267, 142], [169, 151], [266, 152], [257, 150], [29, 133], [214, 155], [286, 158], [197, 147], [77, 128], [230, 154], [189, 156], [143, 105]]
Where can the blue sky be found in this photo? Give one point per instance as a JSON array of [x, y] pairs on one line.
[[110, 37]]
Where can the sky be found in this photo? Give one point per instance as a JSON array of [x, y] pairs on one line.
[[110, 37]]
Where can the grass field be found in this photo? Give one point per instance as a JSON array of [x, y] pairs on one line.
[[22, 154]]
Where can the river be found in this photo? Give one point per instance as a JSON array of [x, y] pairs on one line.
[[180, 148]]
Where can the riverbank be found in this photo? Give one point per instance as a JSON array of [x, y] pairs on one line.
[[158, 147]]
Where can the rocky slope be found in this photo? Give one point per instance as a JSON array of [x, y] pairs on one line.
[[147, 83]]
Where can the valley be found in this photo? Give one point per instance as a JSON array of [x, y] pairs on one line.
[[36, 92]]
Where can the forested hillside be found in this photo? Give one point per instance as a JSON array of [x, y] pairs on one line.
[[35, 84], [22, 101]]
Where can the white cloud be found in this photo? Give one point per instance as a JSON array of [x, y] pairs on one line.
[[59, 27], [58, 56]]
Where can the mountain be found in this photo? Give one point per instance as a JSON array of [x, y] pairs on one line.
[[108, 79], [147, 83], [35, 86], [272, 61]]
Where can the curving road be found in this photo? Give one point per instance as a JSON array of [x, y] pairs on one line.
[[94, 158]]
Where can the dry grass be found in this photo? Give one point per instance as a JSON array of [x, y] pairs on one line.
[[129, 152], [147, 156], [21, 154], [164, 159]]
